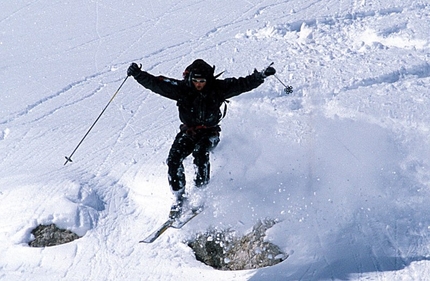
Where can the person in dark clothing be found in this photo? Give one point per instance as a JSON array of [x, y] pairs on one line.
[[199, 98]]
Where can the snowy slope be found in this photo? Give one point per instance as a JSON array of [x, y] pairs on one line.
[[342, 163]]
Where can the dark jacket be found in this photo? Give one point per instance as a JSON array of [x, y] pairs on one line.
[[199, 108]]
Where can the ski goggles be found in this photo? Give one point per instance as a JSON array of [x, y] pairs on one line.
[[197, 80]]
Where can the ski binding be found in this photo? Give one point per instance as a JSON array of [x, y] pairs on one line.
[[176, 223]]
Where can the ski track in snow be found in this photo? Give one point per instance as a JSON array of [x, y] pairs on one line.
[[52, 97], [341, 163]]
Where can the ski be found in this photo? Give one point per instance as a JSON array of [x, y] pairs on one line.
[[176, 223], [186, 217], [154, 235]]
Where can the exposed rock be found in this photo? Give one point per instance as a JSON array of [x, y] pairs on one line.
[[51, 235], [222, 250]]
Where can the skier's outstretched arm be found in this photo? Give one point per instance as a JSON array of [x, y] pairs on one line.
[[235, 86], [166, 87]]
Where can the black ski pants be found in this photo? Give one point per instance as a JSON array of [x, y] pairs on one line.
[[198, 142]]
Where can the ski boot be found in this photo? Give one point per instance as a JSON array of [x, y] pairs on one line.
[[176, 209]]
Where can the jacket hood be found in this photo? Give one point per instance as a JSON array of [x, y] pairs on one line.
[[199, 69]]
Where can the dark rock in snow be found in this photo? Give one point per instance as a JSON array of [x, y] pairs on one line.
[[222, 250], [51, 235]]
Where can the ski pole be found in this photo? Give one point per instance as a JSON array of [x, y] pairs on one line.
[[287, 89], [69, 159]]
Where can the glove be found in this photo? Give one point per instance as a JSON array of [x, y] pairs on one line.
[[134, 70], [268, 71]]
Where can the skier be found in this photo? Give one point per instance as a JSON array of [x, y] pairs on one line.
[[199, 97]]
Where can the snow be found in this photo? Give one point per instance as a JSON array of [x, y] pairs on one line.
[[342, 162]]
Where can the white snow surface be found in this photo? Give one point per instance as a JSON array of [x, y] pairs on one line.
[[342, 163]]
